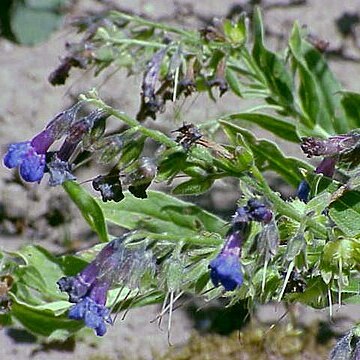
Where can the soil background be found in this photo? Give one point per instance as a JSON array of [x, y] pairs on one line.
[[28, 101]]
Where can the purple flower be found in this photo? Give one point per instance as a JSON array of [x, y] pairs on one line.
[[335, 149], [225, 269], [88, 289], [59, 166], [334, 145], [303, 191], [92, 309], [30, 156], [326, 167], [254, 210]]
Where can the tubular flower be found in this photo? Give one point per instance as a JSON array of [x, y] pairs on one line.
[[88, 289], [226, 268], [59, 166], [334, 145], [30, 156], [336, 149]]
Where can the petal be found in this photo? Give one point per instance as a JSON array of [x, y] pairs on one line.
[[94, 315], [16, 154], [303, 191], [77, 312], [226, 270], [32, 167]]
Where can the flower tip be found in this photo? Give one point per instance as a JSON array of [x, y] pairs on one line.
[[32, 167], [93, 314], [303, 191], [16, 153], [226, 270]]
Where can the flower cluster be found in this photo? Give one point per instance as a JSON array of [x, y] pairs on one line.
[[88, 290], [225, 269], [33, 157], [340, 148]]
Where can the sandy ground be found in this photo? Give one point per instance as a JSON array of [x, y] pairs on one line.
[[27, 101]]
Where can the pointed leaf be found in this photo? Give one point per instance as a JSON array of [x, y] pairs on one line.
[[268, 156], [88, 207], [161, 213], [277, 126], [193, 186], [345, 212]]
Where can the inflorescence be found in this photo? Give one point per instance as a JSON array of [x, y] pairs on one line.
[[115, 264], [226, 268]]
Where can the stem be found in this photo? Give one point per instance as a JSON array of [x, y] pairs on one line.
[[193, 240], [283, 207], [153, 134], [138, 42], [156, 25]]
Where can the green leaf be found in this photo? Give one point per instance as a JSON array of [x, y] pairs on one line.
[[345, 212], [350, 101], [277, 126], [315, 294], [132, 151], [161, 213], [328, 85], [316, 105], [273, 67], [44, 322], [233, 81], [193, 186], [268, 156], [31, 26], [33, 276], [88, 207]]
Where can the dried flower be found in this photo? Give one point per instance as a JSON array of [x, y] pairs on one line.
[[334, 145], [219, 79], [140, 179], [150, 103], [109, 186]]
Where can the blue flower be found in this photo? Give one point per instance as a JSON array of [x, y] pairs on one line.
[[225, 269], [23, 155], [88, 289], [94, 315], [29, 156], [254, 210], [303, 191]]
